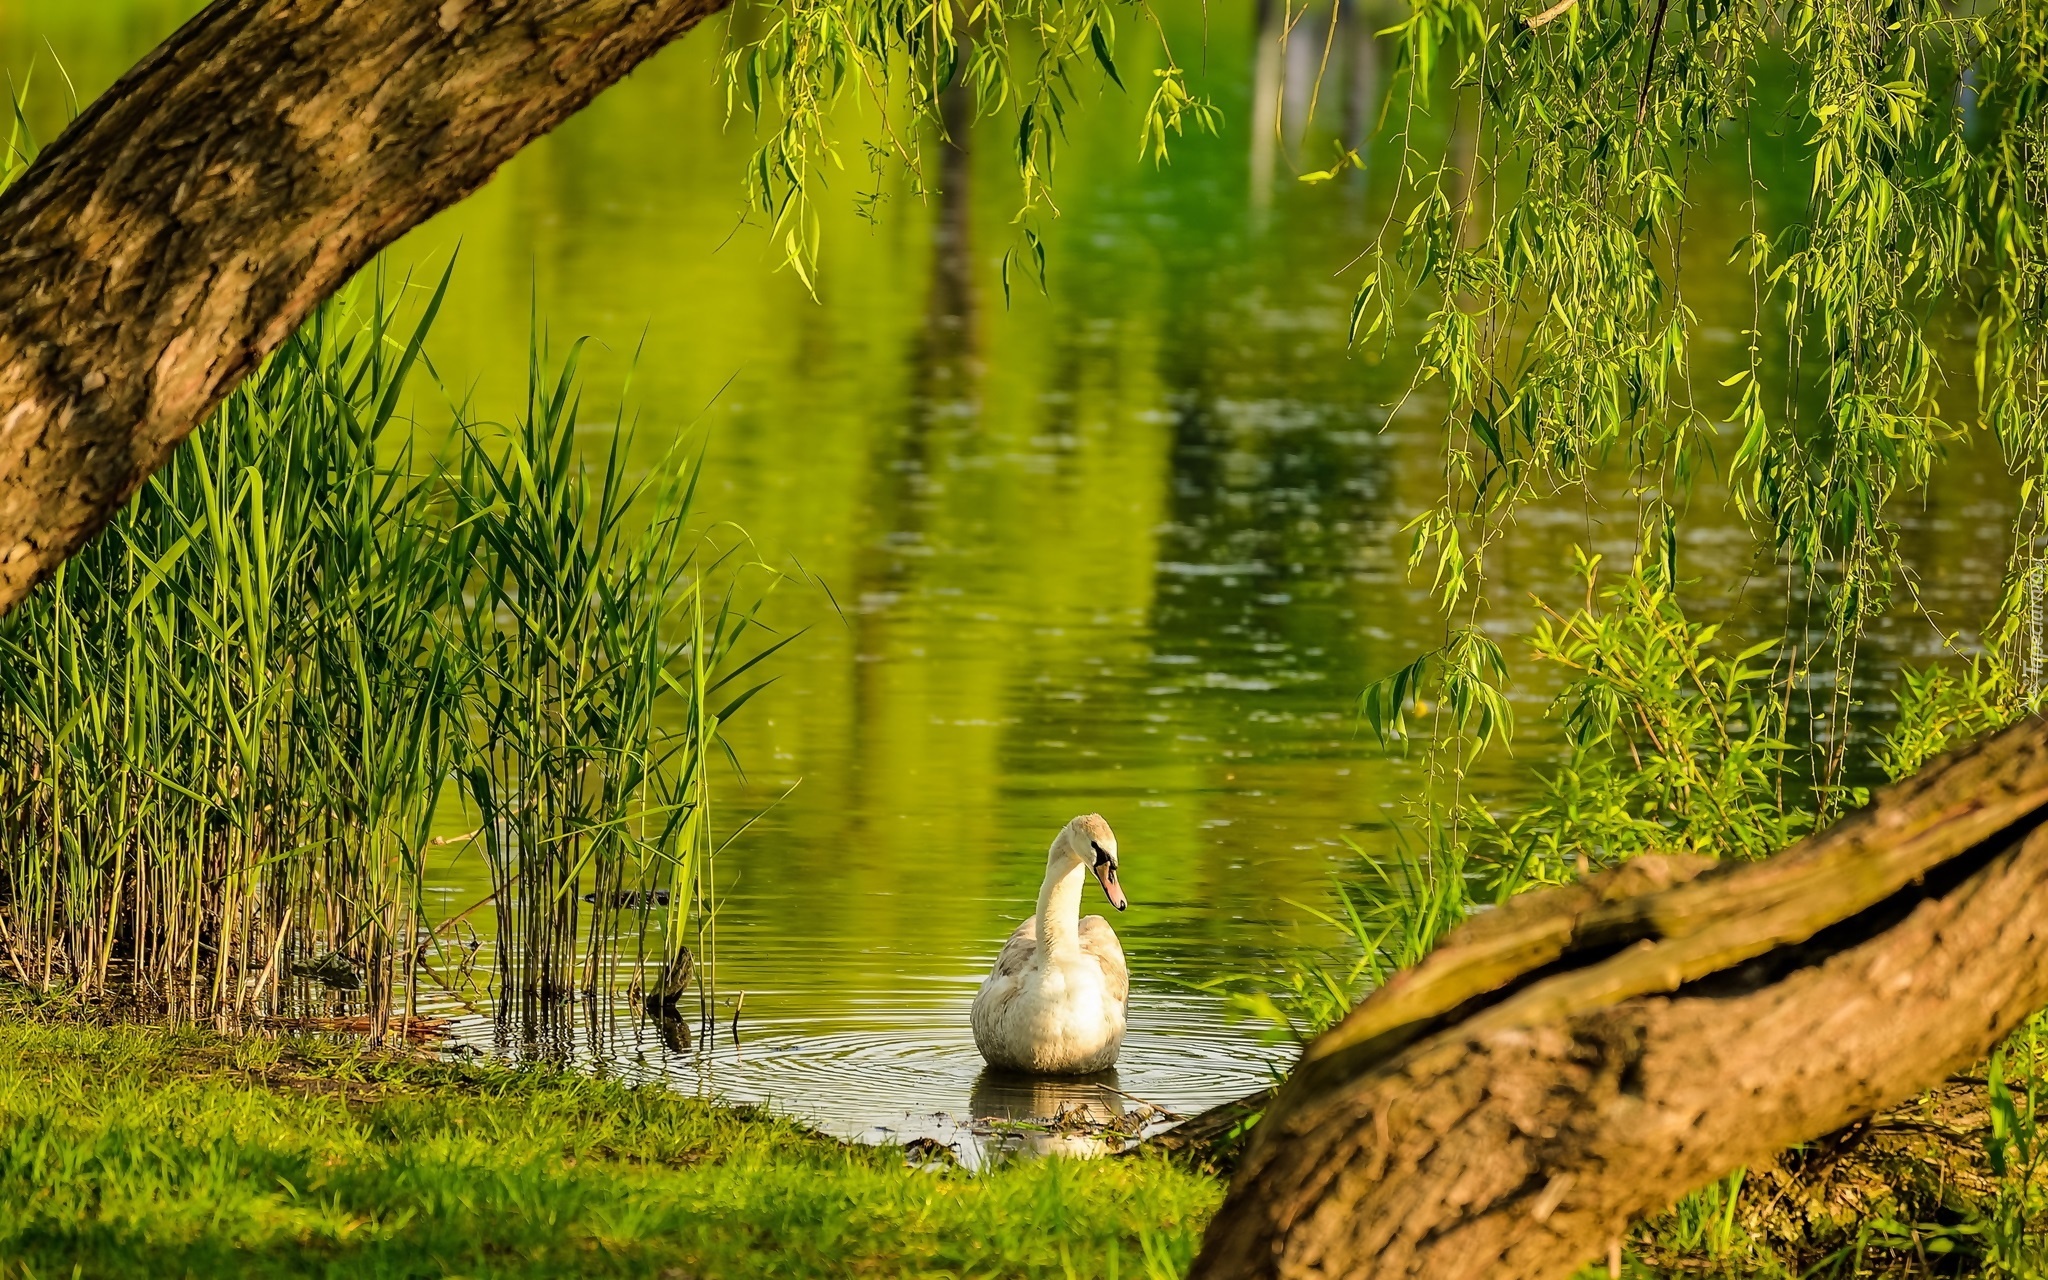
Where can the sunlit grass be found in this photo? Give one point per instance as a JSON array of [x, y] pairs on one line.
[[133, 1151]]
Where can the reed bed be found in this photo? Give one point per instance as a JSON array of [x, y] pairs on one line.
[[228, 725]]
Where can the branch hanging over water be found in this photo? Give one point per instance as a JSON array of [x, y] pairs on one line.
[[1582, 1057], [185, 224]]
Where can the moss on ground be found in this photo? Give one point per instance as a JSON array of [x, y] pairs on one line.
[[133, 1151]]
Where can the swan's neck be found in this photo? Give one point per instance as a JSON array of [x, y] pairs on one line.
[[1059, 907]]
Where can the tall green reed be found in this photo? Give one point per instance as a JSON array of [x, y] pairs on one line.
[[604, 643], [228, 724], [225, 722]]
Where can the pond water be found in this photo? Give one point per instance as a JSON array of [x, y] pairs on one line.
[[1130, 546]]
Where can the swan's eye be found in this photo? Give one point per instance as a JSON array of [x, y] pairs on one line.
[[1102, 857]]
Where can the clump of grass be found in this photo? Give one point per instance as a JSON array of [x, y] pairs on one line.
[[227, 725], [1675, 745], [599, 669], [224, 723], [145, 1152], [1953, 1183]]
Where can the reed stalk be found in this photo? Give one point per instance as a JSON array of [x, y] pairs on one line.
[[226, 726]]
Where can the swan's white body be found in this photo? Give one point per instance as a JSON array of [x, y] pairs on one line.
[[1055, 1002]]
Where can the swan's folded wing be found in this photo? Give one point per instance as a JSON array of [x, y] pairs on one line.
[[1017, 951], [1099, 940]]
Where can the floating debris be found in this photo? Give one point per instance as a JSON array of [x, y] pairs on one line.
[[930, 1151], [412, 1030], [1077, 1127], [333, 970], [631, 899]]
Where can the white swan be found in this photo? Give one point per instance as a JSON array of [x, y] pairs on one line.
[[1056, 999]]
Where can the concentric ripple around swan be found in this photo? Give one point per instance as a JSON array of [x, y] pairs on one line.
[[886, 1072]]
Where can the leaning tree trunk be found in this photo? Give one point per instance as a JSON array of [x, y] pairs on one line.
[[1582, 1057], [185, 224]]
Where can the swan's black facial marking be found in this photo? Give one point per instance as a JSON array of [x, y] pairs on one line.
[[1105, 872]]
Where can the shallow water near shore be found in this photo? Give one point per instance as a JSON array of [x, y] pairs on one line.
[[1131, 547], [906, 1077]]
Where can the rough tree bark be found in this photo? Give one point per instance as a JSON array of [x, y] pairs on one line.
[[1582, 1057], [185, 224]]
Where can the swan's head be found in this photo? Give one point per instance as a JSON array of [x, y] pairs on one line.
[[1089, 840]]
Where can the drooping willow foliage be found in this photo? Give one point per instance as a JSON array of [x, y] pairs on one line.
[[1558, 338], [1540, 163], [792, 64]]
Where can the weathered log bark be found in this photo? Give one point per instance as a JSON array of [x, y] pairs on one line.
[[185, 224], [1582, 1057]]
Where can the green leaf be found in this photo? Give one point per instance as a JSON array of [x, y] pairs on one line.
[[1100, 43]]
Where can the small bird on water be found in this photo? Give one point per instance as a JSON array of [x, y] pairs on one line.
[[1055, 1003]]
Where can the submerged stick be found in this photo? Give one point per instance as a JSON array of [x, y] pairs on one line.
[[1582, 1057], [268, 978]]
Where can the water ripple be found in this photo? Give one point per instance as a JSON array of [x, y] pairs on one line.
[[884, 1073]]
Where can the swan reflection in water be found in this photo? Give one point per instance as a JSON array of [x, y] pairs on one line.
[[1054, 1115]]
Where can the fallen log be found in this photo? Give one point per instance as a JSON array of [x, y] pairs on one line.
[[181, 228], [1582, 1057]]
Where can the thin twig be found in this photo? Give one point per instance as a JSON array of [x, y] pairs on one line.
[[1650, 63], [461, 915]]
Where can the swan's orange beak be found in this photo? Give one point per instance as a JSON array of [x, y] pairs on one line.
[[1105, 872]]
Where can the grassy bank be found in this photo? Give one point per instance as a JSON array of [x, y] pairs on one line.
[[129, 1151]]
